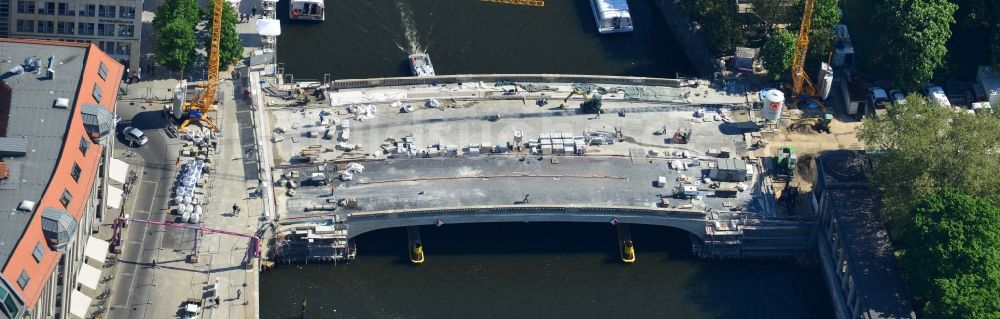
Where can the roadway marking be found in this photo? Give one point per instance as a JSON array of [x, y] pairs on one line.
[[142, 245]]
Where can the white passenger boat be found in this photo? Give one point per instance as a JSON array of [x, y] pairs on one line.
[[420, 64], [612, 16], [308, 10]]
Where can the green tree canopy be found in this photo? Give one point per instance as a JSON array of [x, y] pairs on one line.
[[230, 47], [826, 16], [175, 45], [915, 38], [918, 149], [778, 53], [720, 25], [187, 11], [951, 256]]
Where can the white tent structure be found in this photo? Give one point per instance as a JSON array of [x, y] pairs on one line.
[[269, 30]]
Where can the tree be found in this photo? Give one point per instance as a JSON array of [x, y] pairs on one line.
[[916, 35], [826, 16], [950, 260], [918, 149], [175, 45], [230, 47], [778, 53], [171, 10], [719, 23]]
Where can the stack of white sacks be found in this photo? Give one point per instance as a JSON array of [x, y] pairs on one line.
[[187, 179]]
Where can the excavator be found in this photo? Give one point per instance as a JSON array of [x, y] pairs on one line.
[[819, 123], [591, 103], [196, 111]]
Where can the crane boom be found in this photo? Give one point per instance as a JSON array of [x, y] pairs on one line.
[[203, 103], [801, 84]]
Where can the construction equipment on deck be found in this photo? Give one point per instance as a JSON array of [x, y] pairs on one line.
[[785, 162], [816, 124], [575, 91], [802, 86], [204, 102], [682, 136], [591, 103]]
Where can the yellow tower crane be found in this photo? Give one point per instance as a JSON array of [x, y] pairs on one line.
[[801, 85], [204, 102]]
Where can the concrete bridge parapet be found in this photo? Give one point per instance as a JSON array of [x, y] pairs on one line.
[[688, 220]]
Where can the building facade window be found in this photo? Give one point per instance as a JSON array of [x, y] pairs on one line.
[[126, 12], [46, 27], [26, 7], [104, 11], [75, 172], [63, 10], [84, 146], [105, 29], [48, 9], [124, 48], [89, 10], [67, 27], [102, 71], [86, 28], [97, 93], [39, 252], [126, 30], [23, 279], [66, 198], [7, 303], [25, 25]]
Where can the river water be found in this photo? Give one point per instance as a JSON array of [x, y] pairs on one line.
[[523, 270], [372, 38], [541, 270]]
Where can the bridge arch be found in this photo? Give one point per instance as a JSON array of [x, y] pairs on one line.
[[691, 221]]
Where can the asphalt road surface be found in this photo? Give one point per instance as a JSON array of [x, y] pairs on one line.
[[143, 243]]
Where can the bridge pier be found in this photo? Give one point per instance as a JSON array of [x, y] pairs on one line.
[[625, 244], [415, 246]]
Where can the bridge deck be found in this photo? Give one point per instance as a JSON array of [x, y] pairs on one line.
[[591, 181]]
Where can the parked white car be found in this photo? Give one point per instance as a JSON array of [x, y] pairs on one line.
[[135, 136], [936, 94]]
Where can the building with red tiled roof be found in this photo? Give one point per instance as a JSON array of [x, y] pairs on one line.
[[57, 104]]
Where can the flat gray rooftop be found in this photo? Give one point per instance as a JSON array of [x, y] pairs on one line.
[[33, 117], [869, 254]]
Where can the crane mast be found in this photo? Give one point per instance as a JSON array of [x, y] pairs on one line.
[[801, 85], [197, 110]]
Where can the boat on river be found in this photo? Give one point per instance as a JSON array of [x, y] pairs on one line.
[[612, 16], [307, 10], [420, 64]]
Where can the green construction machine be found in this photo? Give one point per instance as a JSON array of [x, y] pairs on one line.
[[785, 162]]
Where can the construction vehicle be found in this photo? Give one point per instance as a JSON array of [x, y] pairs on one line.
[[802, 86], [591, 103], [817, 124], [204, 102], [192, 308], [575, 91], [785, 162], [682, 136]]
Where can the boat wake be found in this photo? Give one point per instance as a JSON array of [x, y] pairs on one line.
[[409, 29]]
